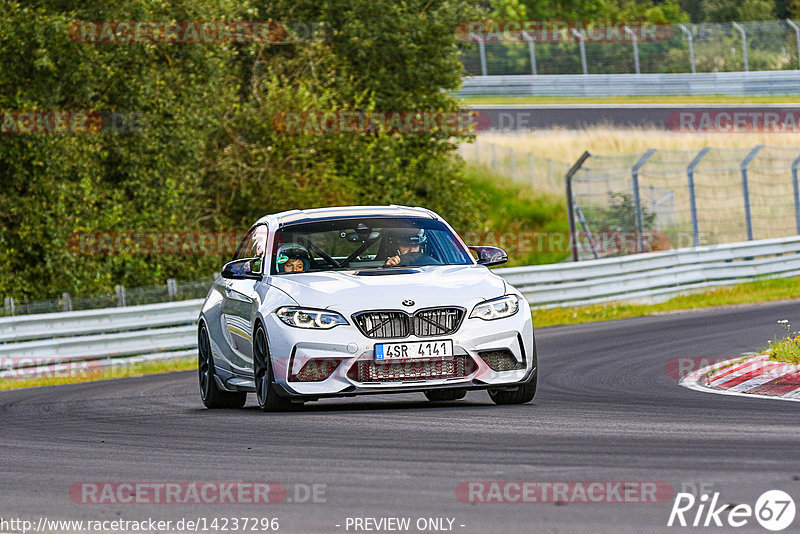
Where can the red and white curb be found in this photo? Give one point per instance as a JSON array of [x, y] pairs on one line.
[[754, 376]]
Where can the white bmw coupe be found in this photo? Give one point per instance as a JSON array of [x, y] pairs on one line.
[[347, 301]]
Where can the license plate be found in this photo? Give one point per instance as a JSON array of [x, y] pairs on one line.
[[414, 350]]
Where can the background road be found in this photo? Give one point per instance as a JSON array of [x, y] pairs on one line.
[[606, 410], [523, 117]]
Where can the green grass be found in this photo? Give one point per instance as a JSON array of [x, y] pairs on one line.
[[514, 216], [747, 293], [664, 99], [90, 375], [785, 349]]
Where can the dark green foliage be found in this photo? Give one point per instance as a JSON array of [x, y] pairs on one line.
[[209, 158]]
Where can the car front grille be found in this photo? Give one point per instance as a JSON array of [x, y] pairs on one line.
[[436, 321], [381, 325], [397, 324], [410, 370]]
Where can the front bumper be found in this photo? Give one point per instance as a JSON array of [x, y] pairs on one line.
[[291, 348]]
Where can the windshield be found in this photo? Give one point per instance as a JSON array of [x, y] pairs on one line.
[[365, 243]]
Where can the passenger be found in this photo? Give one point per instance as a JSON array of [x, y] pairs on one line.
[[293, 258]]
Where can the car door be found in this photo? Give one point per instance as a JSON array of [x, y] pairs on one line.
[[240, 301]]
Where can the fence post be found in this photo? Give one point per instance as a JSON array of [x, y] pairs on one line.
[[531, 50], [744, 45], [533, 170], [587, 230], [513, 161], [494, 156], [797, 38], [67, 299], [120, 295], [635, 48], [692, 198], [690, 38], [637, 200], [570, 211], [582, 46], [8, 304], [746, 190], [481, 52], [172, 288], [796, 188]]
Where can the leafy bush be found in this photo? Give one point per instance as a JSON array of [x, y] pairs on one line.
[[210, 158]]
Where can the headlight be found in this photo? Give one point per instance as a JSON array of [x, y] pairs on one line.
[[306, 318], [496, 308]]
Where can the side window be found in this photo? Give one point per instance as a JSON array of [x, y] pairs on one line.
[[253, 245]]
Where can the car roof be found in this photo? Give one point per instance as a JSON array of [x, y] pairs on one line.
[[344, 212]]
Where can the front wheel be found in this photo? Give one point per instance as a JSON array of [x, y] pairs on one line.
[[266, 390], [520, 395], [213, 397]]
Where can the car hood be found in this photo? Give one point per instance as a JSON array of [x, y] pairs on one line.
[[348, 292]]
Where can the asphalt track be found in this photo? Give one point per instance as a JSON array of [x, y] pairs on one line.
[[606, 410]]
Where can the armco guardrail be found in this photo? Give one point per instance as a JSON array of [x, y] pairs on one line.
[[599, 85], [45, 339], [169, 329], [655, 275], [47, 325]]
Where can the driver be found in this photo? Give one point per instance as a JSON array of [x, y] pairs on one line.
[[409, 249], [293, 258]]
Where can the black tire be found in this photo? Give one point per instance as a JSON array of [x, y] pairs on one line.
[[521, 395], [212, 396], [443, 395], [266, 390]]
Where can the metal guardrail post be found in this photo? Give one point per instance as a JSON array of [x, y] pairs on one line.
[[635, 48], [120, 289], [531, 50], [796, 189], [172, 288], [746, 190], [67, 300], [796, 29], [570, 211], [690, 38], [481, 52], [637, 200], [692, 197], [582, 46], [744, 45]]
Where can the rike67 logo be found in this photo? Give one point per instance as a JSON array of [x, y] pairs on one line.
[[774, 510]]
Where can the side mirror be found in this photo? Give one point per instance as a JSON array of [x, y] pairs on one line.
[[241, 269], [489, 256]]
